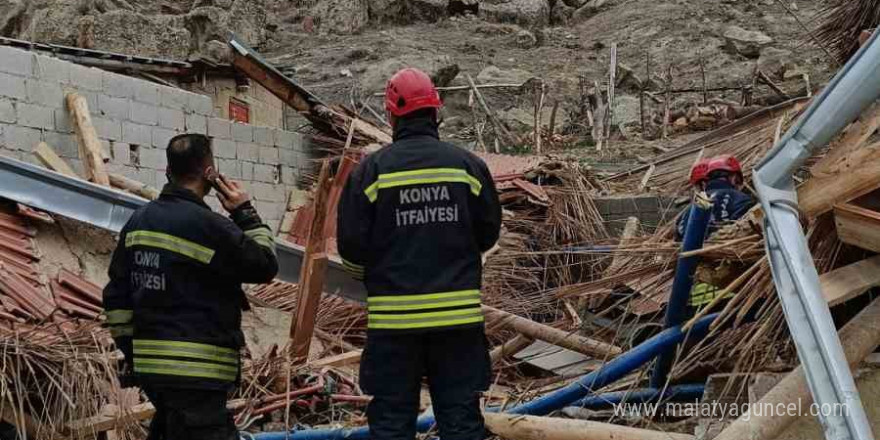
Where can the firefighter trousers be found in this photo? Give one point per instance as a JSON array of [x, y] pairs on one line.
[[190, 414], [457, 367]]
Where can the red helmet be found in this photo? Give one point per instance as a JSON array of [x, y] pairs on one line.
[[724, 162], [410, 90], [699, 172]]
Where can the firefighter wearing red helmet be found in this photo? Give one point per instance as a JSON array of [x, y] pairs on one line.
[[722, 178], [414, 218]]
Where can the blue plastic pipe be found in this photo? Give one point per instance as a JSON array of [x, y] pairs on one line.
[[676, 308], [610, 372], [677, 393]]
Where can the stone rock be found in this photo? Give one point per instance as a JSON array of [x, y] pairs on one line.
[[526, 39], [744, 42], [776, 62], [588, 10], [341, 16], [375, 77], [494, 75], [561, 14], [397, 11], [132, 33], [526, 13], [218, 51], [626, 109]]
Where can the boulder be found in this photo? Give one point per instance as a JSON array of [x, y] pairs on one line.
[[495, 75], [132, 33], [341, 16], [561, 14], [375, 77], [526, 13], [776, 62], [405, 11], [587, 10], [745, 42], [626, 110], [526, 39]]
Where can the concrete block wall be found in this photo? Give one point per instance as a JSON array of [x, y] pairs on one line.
[[135, 119], [651, 210]]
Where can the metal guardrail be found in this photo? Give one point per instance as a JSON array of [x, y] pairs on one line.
[[110, 209], [851, 91]]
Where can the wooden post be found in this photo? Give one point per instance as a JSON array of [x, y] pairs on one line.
[[87, 137], [500, 129], [133, 186], [520, 427], [666, 120], [553, 117], [510, 348], [555, 336], [705, 87], [52, 161], [612, 79], [311, 277]]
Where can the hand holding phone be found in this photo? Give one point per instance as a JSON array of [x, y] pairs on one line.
[[230, 193]]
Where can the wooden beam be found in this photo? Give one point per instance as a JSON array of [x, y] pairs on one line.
[[858, 226], [853, 138], [89, 145], [339, 360], [519, 427], [555, 336], [133, 186], [855, 175], [510, 348], [52, 161], [312, 273], [106, 422], [850, 281]]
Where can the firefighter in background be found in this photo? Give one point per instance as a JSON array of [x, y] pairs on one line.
[[413, 220], [174, 300], [720, 179]]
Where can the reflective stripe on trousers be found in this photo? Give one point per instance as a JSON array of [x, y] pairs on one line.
[[185, 359], [430, 310]]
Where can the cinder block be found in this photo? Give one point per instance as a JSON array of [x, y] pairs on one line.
[[107, 128], [248, 152], [86, 78], [289, 175], [200, 104], [230, 168], [12, 86], [145, 92], [121, 152], [173, 98], [172, 118], [224, 148], [7, 111], [52, 69], [44, 93], [147, 176], [161, 137], [269, 155], [284, 139], [161, 178], [112, 107], [36, 116], [17, 61], [242, 133], [136, 134], [269, 192], [152, 158], [118, 86], [146, 114], [62, 121], [247, 171], [270, 212], [287, 157], [300, 143], [196, 123], [20, 137], [64, 144], [264, 136], [265, 173], [219, 128]]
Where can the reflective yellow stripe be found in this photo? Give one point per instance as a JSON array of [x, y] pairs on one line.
[[390, 308], [352, 266], [423, 176], [424, 320], [263, 237], [121, 330], [185, 369], [170, 243], [426, 296], [435, 324], [186, 349], [118, 316]]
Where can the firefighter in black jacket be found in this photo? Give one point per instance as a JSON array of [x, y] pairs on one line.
[[174, 300], [414, 218]]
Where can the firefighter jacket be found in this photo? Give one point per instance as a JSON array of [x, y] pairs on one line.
[[174, 300], [728, 204], [413, 220]]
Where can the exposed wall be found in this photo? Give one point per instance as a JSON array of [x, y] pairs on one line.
[[135, 119], [265, 108]]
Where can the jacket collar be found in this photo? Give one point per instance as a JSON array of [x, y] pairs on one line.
[[411, 127], [172, 191], [718, 185]]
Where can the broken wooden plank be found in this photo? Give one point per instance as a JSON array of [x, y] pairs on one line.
[[858, 226], [562, 338], [314, 268], [850, 281], [87, 138], [510, 348], [112, 420], [854, 175], [339, 360], [51, 160], [520, 427], [133, 186]]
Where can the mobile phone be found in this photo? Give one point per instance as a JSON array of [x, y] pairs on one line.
[[213, 178]]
